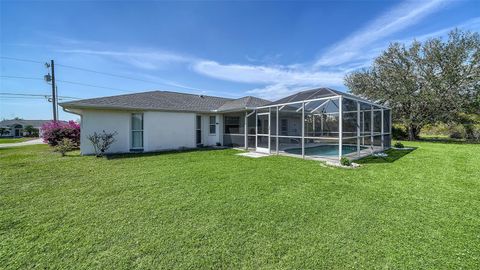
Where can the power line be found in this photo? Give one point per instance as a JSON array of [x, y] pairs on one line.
[[110, 74], [32, 98], [45, 97], [21, 59], [88, 70], [64, 81], [105, 73], [97, 86], [33, 95], [20, 77]]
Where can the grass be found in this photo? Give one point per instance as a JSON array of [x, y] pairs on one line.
[[434, 136], [14, 140], [213, 209]]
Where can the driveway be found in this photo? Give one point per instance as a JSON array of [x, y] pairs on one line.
[[30, 142]]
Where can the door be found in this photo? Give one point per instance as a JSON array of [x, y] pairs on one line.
[[263, 133], [198, 130]]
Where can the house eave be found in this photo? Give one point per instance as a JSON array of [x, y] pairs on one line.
[[123, 108]]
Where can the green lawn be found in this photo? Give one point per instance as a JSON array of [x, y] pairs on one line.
[[14, 140], [213, 209]]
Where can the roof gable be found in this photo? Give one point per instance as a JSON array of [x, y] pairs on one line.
[[243, 103]]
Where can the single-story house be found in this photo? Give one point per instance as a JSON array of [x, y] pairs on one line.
[[319, 123], [16, 127]]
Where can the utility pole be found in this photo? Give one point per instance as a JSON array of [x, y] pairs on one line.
[[51, 78], [54, 95], [56, 101]]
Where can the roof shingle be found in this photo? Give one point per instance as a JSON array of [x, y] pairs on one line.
[[243, 103], [154, 100], [33, 123]]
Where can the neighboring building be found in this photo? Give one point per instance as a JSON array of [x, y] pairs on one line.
[[16, 128], [162, 120]]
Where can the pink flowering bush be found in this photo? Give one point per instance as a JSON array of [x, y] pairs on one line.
[[55, 131]]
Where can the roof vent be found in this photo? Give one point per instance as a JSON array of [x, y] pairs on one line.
[[202, 96]]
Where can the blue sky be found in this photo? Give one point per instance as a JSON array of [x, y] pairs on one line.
[[266, 49]]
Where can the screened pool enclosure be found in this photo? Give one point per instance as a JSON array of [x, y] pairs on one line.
[[320, 123]]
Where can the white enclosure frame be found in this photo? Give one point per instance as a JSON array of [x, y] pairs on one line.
[[362, 147]]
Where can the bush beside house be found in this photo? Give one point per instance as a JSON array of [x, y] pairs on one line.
[[54, 132]]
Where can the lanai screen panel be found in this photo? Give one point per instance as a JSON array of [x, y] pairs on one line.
[[234, 129], [306, 95], [289, 128], [321, 128], [273, 129], [300, 125], [251, 130], [350, 118]]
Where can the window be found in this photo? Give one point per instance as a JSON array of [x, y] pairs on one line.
[[137, 130], [232, 124], [284, 127], [199, 129], [213, 126]]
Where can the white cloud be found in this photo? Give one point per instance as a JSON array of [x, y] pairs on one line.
[[354, 52], [279, 80], [397, 19], [145, 59], [264, 74], [471, 25]]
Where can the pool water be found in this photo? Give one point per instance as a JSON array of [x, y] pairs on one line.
[[323, 150]]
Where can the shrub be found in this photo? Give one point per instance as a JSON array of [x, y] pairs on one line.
[[399, 132], [101, 142], [436, 129], [64, 146], [398, 145], [55, 131], [457, 132], [472, 132], [345, 161]]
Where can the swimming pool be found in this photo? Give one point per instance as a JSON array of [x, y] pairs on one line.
[[324, 150]]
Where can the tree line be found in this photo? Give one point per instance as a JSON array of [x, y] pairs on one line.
[[425, 82]]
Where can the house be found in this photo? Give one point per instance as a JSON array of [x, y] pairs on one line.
[[16, 127], [317, 123]]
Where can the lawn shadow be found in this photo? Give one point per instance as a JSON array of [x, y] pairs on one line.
[[73, 154], [393, 155], [446, 140], [165, 152]]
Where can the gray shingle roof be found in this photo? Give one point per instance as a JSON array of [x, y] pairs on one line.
[[154, 100], [243, 103], [34, 123], [175, 101]]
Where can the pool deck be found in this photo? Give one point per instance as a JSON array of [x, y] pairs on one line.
[[334, 158]]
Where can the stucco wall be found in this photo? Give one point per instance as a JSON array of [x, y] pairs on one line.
[[162, 130], [168, 130], [110, 121]]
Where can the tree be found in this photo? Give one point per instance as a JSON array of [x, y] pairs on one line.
[[3, 131], [425, 82], [30, 130]]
